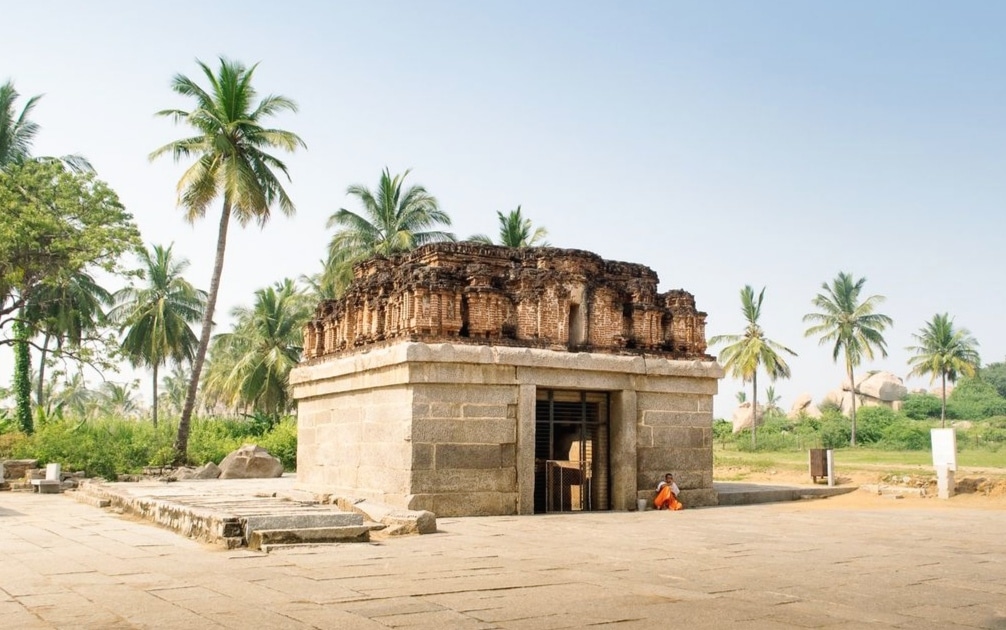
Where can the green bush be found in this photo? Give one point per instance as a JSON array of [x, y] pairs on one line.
[[836, 430], [871, 422], [281, 442], [905, 435], [723, 430], [995, 375], [921, 406], [100, 448], [974, 399], [113, 446], [211, 440]]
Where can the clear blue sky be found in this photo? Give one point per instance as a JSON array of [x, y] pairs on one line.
[[721, 144]]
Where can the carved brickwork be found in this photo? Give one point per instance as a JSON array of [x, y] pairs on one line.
[[560, 299]]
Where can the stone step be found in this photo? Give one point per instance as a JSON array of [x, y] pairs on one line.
[[300, 520], [349, 533], [91, 499], [749, 493], [295, 547]]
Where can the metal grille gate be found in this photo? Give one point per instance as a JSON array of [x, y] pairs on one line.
[[571, 451]]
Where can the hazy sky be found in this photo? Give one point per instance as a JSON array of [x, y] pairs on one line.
[[720, 143]]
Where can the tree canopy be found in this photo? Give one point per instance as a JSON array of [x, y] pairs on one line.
[[515, 230], [852, 325], [943, 351], [57, 223], [393, 221], [752, 349], [233, 163]]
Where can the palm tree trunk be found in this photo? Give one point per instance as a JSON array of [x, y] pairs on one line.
[[943, 407], [852, 382], [39, 389], [155, 396], [182, 439], [754, 410]]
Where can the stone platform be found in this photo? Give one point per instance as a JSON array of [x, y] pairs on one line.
[[257, 513], [265, 513], [735, 493]]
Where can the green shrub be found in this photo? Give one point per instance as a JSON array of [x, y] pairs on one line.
[[836, 430], [281, 442], [921, 406], [871, 423], [723, 430], [100, 448], [211, 440], [974, 399], [995, 375], [905, 435], [10, 444]]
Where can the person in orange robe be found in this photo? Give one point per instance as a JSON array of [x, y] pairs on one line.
[[667, 494]]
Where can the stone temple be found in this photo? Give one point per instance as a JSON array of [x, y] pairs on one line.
[[472, 379]]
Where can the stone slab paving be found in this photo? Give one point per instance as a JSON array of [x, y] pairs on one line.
[[793, 565]]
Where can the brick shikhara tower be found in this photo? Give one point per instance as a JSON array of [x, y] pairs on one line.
[[474, 379]]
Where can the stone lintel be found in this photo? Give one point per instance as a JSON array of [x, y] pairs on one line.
[[308, 380]]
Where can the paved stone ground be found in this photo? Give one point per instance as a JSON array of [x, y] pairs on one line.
[[68, 565]]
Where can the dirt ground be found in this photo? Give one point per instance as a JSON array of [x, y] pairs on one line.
[[977, 488]]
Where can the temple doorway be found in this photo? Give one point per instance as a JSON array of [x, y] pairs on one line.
[[571, 471]]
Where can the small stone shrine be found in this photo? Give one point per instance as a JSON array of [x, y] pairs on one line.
[[470, 379]]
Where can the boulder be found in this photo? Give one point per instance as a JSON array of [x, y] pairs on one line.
[[180, 474], [842, 399], [17, 468], [803, 405], [210, 470], [743, 414], [250, 462], [206, 471], [883, 386]]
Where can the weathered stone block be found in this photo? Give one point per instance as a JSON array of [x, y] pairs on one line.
[[484, 411], [468, 456], [422, 456], [464, 431], [466, 503], [461, 373], [471, 394], [552, 378], [464, 480], [650, 401]]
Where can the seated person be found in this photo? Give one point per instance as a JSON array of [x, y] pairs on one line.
[[667, 494]]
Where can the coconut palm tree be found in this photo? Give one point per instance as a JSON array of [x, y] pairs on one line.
[[118, 399], [945, 352], [393, 221], [173, 389], [231, 163], [155, 318], [515, 231], [750, 350], [17, 131], [67, 314], [772, 401], [251, 365], [72, 397], [853, 326]]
